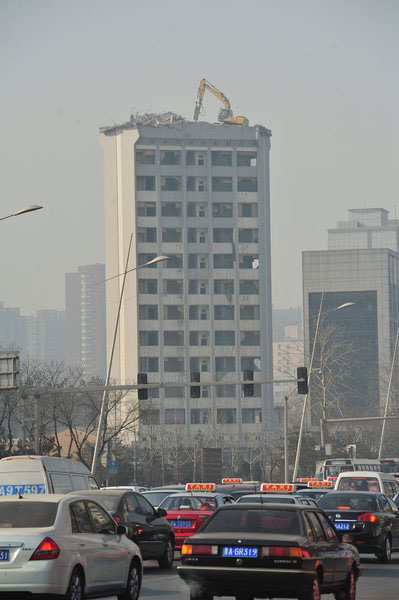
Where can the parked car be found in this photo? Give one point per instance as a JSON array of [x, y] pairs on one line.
[[371, 518], [43, 475], [367, 481], [146, 526], [67, 546], [274, 550], [132, 488]]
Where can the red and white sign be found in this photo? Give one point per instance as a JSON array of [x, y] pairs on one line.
[[320, 484], [231, 480], [200, 487], [277, 488], [305, 479], [331, 478]]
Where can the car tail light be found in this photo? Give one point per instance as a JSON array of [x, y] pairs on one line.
[[367, 518], [47, 550], [275, 551], [188, 549], [343, 507]]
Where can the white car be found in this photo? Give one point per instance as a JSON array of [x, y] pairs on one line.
[[65, 545], [131, 488]]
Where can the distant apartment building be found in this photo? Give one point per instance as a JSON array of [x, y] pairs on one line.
[[85, 320], [359, 268], [287, 356], [12, 329], [198, 193]]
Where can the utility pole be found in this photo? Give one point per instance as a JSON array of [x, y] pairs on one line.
[[286, 468]]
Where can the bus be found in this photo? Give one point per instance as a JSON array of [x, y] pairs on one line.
[[390, 465], [332, 467]]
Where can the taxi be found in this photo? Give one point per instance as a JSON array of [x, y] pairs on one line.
[[187, 511], [282, 493], [237, 487]]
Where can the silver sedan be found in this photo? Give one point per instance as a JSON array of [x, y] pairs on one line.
[[68, 546]]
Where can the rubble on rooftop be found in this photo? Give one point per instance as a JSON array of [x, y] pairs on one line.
[[166, 118]]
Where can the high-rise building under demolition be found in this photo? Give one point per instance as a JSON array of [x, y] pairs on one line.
[[198, 193]]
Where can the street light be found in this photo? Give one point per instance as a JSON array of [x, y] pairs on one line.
[[305, 401], [153, 261], [22, 211]]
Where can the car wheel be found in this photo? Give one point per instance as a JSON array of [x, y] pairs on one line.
[[313, 592], [166, 560], [349, 591], [133, 585], [75, 587], [386, 551]]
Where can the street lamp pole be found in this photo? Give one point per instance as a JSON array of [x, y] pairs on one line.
[[22, 211], [108, 376]]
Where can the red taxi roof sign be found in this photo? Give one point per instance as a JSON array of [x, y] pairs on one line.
[[277, 488], [231, 480], [320, 484], [331, 478], [200, 487], [305, 479]]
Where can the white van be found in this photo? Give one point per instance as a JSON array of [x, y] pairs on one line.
[[367, 481], [43, 475]]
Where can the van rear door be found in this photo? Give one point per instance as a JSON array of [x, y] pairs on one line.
[[26, 482]]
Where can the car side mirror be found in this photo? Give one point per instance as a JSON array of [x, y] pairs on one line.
[[121, 530], [162, 512]]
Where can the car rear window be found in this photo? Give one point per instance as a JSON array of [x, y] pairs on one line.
[[156, 497], [181, 503], [359, 484], [348, 502], [265, 500], [107, 500], [27, 514], [254, 521]]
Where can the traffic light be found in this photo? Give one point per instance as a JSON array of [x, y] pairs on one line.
[[248, 388], [195, 390], [302, 373], [143, 392]]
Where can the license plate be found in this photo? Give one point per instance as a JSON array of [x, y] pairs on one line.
[[4, 555], [342, 526], [240, 552], [181, 523]]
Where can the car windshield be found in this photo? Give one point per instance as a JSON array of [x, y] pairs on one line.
[[359, 484], [156, 497], [107, 500], [181, 503], [266, 521], [23, 514], [354, 501], [265, 500]]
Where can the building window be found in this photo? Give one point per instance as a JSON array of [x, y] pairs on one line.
[[250, 338], [202, 236], [222, 184], [222, 210], [175, 416], [169, 157], [173, 312], [204, 312], [223, 235], [247, 184], [226, 416], [171, 209], [226, 391], [248, 236], [173, 364], [192, 261], [148, 312], [149, 364], [252, 415], [246, 159], [145, 258], [173, 286], [204, 339], [221, 158], [225, 338], [203, 262], [247, 209], [149, 417], [171, 235], [248, 261], [170, 183], [224, 313], [200, 416], [223, 261], [145, 157], [175, 261], [148, 286], [196, 184], [225, 364], [194, 337], [145, 183], [249, 313], [148, 338], [195, 209], [146, 209], [193, 312], [174, 392], [173, 338], [223, 286], [250, 363], [202, 210], [249, 286], [193, 286], [147, 234], [195, 158], [203, 288]]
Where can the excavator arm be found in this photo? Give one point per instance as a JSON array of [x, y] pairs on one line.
[[225, 114]]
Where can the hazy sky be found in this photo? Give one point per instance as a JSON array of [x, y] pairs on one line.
[[321, 74]]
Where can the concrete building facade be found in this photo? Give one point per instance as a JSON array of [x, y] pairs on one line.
[[366, 228], [198, 193], [85, 320]]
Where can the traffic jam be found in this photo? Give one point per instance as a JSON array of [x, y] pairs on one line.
[[61, 535]]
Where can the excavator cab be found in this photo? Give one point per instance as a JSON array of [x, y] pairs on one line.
[[225, 115]]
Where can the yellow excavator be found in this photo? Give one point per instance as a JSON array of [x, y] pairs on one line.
[[225, 114]]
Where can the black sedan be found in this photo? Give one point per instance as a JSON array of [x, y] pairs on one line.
[[146, 525], [371, 518], [266, 551]]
